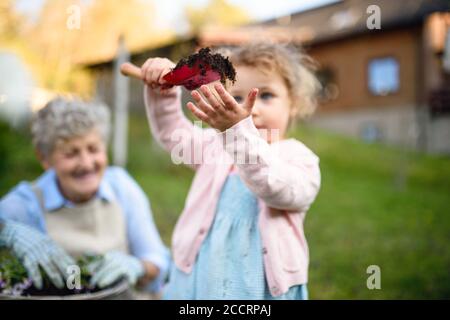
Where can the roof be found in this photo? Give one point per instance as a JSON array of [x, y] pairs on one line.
[[329, 22], [106, 51]]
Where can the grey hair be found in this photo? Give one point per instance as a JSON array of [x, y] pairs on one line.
[[63, 118]]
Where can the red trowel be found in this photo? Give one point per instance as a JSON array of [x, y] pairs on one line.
[[194, 71]]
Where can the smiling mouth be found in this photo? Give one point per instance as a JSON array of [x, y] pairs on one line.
[[85, 175]]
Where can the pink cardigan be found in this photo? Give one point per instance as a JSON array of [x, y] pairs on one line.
[[285, 178]]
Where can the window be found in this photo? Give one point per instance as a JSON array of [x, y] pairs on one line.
[[383, 76], [329, 90], [439, 101]]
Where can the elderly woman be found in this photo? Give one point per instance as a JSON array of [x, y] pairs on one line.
[[80, 205]]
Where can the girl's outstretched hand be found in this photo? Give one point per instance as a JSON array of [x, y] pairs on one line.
[[220, 111]]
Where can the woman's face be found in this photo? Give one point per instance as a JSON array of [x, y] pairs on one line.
[[79, 163]]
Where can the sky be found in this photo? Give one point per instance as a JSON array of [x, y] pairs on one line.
[[170, 11]]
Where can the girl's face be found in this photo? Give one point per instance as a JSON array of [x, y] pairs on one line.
[[79, 163], [272, 108]]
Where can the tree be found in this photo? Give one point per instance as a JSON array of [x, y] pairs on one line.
[[10, 21], [65, 49], [107, 20], [216, 13], [57, 45]]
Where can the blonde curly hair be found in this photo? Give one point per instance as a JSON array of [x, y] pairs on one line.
[[291, 63]]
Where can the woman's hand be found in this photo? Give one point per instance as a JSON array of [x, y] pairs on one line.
[[153, 71], [35, 250], [220, 110], [114, 266]]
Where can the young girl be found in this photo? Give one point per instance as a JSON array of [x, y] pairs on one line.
[[240, 235]]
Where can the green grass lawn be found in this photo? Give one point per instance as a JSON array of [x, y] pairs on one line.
[[378, 205]]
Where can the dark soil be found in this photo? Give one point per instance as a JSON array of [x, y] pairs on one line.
[[206, 60]]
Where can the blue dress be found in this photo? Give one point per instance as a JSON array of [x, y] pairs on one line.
[[230, 262]]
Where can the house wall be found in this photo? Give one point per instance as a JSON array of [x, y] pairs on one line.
[[395, 126], [349, 60], [401, 118]]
